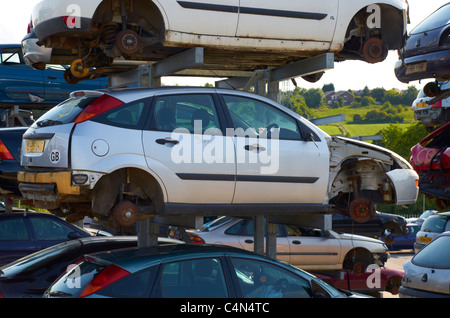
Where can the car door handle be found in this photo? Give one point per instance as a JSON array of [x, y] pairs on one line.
[[254, 147], [52, 77], [296, 242], [166, 141], [249, 241]]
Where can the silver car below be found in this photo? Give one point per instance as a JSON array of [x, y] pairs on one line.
[[305, 247]]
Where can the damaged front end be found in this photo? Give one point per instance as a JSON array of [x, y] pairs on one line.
[[362, 175]]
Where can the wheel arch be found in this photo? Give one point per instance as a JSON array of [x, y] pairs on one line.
[[137, 181], [390, 10], [150, 11]]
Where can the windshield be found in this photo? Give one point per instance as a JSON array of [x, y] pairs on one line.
[[41, 260], [66, 112], [439, 18], [435, 255], [215, 223], [434, 223]]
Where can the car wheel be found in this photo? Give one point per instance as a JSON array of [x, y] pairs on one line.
[[393, 285], [125, 213], [362, 210], [357, 261]]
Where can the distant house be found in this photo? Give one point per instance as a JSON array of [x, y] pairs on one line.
[[332, 97]]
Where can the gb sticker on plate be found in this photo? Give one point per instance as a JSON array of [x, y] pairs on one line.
[[55, 156]]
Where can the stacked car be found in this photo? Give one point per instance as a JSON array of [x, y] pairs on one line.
[[426, 56]]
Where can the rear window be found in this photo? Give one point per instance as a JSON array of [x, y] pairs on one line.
[[435, 254], [75, 281], [435, 224], [439, 18], [65, 112]]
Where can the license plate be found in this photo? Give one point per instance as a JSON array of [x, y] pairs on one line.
[[35, 146], [416, 68], [425, 239], [421, 105]]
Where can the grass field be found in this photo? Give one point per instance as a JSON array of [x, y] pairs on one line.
[[350, 129]]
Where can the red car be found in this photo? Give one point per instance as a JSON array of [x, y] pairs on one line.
[[381, 279], [431, 160]]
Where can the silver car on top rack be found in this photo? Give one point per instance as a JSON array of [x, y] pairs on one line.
[[124, 154]]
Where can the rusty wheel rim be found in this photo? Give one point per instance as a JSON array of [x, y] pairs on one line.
[[126, 213]]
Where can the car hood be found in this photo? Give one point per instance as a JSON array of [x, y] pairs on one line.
[[354, 237], [336, 140]]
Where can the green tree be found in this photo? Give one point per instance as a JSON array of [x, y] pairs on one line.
[[314, 98], [328, 87], [378, 93], [401, 140]]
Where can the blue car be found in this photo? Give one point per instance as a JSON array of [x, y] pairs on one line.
[[28, 232], [188, 271], [426, 53], [402, 242], [31, 88]]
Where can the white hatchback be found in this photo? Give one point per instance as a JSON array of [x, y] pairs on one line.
[[200, 151], [427, 274], [239, 35]]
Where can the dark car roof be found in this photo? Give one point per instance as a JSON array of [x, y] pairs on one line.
[[137, 258]]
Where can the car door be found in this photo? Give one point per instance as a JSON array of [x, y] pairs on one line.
[[286, 19], [219, 17], [312, 247], [185, 146], [275, 163], [244, 233], [15, 239], [18, 81]]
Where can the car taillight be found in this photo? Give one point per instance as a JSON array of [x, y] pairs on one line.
[[107, 276], [30, 26], [197, 240], [97, 107], [437, 104], [4, 152]]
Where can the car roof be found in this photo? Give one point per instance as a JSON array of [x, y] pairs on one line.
[[133, 259]]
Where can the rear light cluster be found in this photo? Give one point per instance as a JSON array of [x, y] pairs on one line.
[[196, 239], [437, 104], [97, 107], [4, 152], [107, 276]]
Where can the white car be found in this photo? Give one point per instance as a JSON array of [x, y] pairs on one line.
[[434, 115], [242, 34], [200, 151], [305, 247], [427, 274]]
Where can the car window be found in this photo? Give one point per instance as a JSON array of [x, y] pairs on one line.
[[49, 229], [434, 223], [65, 112], [12, 56], [435, 254], [196, 278], [304, 231], [13, 229], [195, 113], [126, 116], [136, 285], [245, 227], [436, 20], [254, 118], [259, 279]]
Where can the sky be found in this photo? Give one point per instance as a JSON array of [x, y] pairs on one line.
[[353, 75]]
